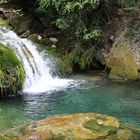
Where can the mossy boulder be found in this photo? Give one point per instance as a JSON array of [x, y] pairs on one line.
[[122, 53], [3, 22], [35, 38], [12, 74], [19, 23], [82, 126], [121, 63], [22, 23]]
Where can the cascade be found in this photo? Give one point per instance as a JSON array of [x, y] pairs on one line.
[[37, 67]]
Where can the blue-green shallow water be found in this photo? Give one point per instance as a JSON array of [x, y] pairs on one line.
[[120, 100]]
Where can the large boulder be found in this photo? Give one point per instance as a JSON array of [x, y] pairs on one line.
[[12, 74], [20, 23], [121, 64], [82, 126], [123, 47]]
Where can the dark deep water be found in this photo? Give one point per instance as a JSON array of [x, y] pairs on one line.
[[120, 100]]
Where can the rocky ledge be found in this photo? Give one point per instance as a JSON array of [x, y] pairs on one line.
[[83, 126]]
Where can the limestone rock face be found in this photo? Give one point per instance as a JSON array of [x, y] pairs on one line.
[[82, 126], [123, 56], [121, 63]]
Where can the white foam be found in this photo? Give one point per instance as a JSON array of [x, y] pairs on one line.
[[37, 67]]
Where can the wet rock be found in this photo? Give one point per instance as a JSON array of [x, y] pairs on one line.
[[20, 23], [53, 46], [35, 38], [43, 41], [53, 40], [25, 34], [80, 126]]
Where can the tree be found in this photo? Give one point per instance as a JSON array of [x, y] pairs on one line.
[[86, 18]]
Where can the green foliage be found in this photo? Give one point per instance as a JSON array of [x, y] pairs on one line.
[[85, 18], [1, 76], [7, 57], [78, 57], [12, 74], [130, 3], [93, 35], [3, 138], [62, 23], [3, 22]]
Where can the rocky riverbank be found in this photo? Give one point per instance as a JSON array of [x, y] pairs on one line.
[[81, 126]]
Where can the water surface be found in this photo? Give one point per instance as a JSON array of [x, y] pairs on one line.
[[120, 100]]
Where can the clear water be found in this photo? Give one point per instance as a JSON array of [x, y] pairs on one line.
[[45, 95], [120, 100]]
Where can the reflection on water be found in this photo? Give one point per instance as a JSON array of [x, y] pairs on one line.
[[120, 100]]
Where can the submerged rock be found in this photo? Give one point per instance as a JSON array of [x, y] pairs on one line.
[[12, 74], [82, 126]]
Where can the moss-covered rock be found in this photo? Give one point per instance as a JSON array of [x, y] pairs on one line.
[[121, 40], [3, 138], [12, 74], [19, 23], [82, 126], [3, 22], [22, 23], [121, 63], [35, 38]]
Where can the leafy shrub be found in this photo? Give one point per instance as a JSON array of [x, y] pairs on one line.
[[85, 18], [130, 3]]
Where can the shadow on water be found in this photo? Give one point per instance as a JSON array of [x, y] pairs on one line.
[[120, 100]]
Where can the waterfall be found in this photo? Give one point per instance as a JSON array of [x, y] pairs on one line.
[[37, 67]]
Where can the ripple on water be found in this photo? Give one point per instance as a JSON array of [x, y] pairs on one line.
[[120, 100]]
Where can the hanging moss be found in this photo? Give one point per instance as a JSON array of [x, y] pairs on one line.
[[77, 59], [12, 74]]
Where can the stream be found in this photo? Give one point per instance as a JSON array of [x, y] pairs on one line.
[[44, 95], [120, 100]]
